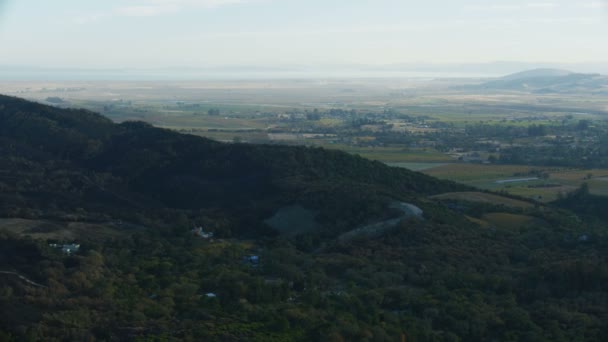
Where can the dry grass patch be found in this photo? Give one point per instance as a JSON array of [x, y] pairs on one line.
[[508, 221], [482, 197], [61, 231]]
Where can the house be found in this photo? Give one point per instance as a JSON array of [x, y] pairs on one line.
[[254, 260], [210, 295], [71, 248], [67, 249], [201, 233]]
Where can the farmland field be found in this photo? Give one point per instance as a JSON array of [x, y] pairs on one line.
[[417, 166], [476, 173], [508, 221], [397, 155], [65, 231], [559, 181], [483, 198]]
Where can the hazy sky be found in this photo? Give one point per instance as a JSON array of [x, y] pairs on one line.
[[198, 33]]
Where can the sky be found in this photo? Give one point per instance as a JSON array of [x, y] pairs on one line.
[[282, 33]]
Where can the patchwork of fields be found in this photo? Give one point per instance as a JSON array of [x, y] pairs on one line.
[[401, 122], [489, 177]]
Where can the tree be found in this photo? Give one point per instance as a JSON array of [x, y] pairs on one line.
[[537, 130], [583, 125]]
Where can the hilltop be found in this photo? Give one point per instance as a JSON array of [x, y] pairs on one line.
[[547, 81]]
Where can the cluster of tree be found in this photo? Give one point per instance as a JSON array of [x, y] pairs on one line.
[[594, 155], [54, 99], [213, 112], [585, 204], [443, 278]]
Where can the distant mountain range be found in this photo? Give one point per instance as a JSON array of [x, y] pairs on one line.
[[547, 81], [290, 71]]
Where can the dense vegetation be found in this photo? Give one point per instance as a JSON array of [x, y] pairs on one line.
[[438, 278], [57, 162]]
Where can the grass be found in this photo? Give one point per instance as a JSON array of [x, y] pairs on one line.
[[396, 154], [540, 194], [507, 221], [245, 136], [599, 186], [466, 173], [417, 166], [178, 121], [327, 122], [482, 223], [60, 231], [561, 180], [483, 198]]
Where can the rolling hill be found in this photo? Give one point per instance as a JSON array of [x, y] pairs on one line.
[[56, 161], [547, 81], [537, 73]]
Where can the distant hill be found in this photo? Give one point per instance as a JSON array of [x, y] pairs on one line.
[[537, 73], [547, 81]]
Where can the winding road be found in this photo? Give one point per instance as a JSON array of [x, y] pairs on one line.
[[28, 281]]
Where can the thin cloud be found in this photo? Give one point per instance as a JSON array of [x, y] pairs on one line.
[[546, 5], [594, 5], [83, 19], [146, 11], [494, 8], [197, 3], [153, 8], [513, 7]]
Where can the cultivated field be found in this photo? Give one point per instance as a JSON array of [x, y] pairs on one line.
[[559, 181], [483, 198], [60, 231]]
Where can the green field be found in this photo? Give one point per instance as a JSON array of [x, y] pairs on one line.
[[477, 173], [507, 221], [417, 166], [392, 155], [483, 198], [560, 180], [61, 231]]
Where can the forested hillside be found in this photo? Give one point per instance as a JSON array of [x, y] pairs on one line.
[[130, 195], [55, 161]]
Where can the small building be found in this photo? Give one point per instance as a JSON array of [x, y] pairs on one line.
[[71, 248], [210, 295], [201, 233], [253, 260], [67, 249]]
